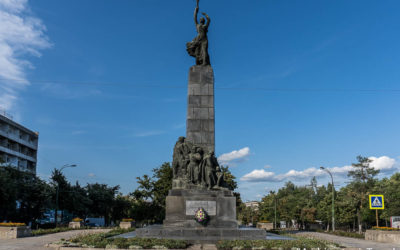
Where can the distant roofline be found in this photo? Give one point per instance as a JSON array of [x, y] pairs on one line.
[[8, 120]]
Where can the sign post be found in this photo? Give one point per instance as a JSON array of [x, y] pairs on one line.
[[376, 202]]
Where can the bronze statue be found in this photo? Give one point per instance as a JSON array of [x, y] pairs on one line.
[[198, 48], [209, 167], [194, 165], [180, 158], [195, 168]]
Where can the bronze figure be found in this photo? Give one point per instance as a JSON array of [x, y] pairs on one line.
[[198, 48]]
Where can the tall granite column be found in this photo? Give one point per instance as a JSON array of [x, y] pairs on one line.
[[200, 123]]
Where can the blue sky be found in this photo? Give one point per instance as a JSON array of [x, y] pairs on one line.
[[299, 84]]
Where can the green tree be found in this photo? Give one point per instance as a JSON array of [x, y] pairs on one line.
[[363, 179], [79, 201], [23, 196], [151, 194], [61, 192], [102, 199], [229, 178], [122, 207]]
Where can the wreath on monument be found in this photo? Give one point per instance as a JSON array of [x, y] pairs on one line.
[[201, 216]]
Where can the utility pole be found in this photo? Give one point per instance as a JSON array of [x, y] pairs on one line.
[[58, 188], [275, 212], [333, 198]]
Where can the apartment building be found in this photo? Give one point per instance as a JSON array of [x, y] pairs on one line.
[[18, 145], [252, 204]]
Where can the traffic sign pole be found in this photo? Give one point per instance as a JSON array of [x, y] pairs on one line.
[[377, 218]]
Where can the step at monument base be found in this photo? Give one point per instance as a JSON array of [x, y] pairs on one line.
[[202, 234]]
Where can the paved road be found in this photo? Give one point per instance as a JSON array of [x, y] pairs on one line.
[[351, 242], [39, 242]]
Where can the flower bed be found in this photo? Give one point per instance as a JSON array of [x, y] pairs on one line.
[[12, 224], [298, 243], [385, 228], [104, 240], [55, 230], [343, 233]]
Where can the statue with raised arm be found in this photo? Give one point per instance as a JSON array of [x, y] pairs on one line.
[[198, 48]]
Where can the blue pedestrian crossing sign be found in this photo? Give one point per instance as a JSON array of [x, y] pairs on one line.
[[376, 201]]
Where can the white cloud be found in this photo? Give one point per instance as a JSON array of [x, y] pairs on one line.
[[234, 156], [383, 163], [149, 133], [20, 34], [259, 175], [91, 175]]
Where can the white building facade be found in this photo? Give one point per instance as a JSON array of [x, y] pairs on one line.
[[18, 145]]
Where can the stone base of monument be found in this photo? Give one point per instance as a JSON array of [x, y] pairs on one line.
[[201, 234], [180, 223]]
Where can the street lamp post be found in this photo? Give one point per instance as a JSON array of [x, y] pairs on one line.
[[333, 198], [275, 213], [58, 188]]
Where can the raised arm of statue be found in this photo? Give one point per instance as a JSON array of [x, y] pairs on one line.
[[196, 11], [208, 19]]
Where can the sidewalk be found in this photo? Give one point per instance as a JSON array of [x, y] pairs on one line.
[[351, 242], [39, 242]]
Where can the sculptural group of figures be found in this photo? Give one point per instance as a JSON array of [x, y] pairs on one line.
[[194, 166]]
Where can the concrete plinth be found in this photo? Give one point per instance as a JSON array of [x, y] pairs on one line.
[[265, 225], [75, 224], [14, 232], [383, 236], [126, 224], [200, 123]]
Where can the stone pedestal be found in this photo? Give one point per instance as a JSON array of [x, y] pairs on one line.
[[383, 236], [200, 121], [126, 224], [75, 224], [180, 223], [14, 232], [181, 205], [265, 225]]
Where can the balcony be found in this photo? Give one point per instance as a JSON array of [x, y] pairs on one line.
[[16, 138], [15, 153]]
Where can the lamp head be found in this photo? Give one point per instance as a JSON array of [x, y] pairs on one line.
[[322, 168]]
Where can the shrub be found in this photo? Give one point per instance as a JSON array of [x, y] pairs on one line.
[[298, 243], [385, 228], [102, 240], [12, 224], [55, 230], [344, 233]]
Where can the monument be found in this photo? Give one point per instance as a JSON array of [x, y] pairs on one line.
[[199, 207]]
